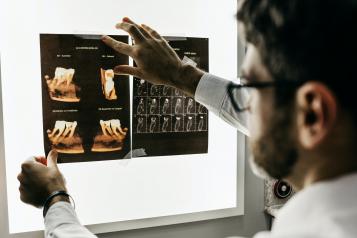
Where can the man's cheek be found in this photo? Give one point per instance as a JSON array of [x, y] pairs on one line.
[[255, 121]]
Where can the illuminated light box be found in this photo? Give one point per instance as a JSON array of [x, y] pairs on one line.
[[163, 187]]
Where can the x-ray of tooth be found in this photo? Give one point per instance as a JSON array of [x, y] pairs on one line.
[[154, 90], [141, 107], [178, 92], [108, 86], [201, 123], [153, 106], [178, 124], [166, 90], [190, 108], [201, 109], [62, 129], [165, 125], [141, 87], [111, 136], [61, 87], [153, 124], [166, 106], [189, 126], [178, 106], [64, 139], [140, 125], [113, 128]]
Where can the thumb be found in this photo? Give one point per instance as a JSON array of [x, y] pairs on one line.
[[52, 159]]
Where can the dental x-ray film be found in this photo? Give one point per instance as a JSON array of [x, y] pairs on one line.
[[86, 107]]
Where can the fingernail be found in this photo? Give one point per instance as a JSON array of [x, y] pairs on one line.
[[41, 160], [118, 25], [126, 19], [53, 153]]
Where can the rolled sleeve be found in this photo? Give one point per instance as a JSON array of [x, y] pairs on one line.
[[212, 92], [61, 222]]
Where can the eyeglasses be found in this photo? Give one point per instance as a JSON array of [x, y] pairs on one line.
[[240, 94]]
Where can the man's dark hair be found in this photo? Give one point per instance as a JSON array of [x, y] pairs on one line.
[[306, 40]]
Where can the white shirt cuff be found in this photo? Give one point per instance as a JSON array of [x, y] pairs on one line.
[[60, 213], [211, 92]]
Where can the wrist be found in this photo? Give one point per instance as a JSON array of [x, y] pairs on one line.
[[188, 79], [55, 197], [59, 198]]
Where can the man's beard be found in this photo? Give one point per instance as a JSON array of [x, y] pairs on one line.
[[274, 154]]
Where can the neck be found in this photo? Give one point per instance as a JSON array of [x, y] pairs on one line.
[[323, 169], [326, 172]]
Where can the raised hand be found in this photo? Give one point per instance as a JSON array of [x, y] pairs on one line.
[[155, 60], [39, 178]]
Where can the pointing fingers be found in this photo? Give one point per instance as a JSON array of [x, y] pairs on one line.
[[118, 46]]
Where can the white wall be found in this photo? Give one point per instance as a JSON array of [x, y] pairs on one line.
[[247, 225]]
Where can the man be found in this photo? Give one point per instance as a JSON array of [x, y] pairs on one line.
[[301, 111]]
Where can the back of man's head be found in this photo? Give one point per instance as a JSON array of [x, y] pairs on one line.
[[306, 40]]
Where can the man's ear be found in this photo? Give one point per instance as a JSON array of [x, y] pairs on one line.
[[316, 115]]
